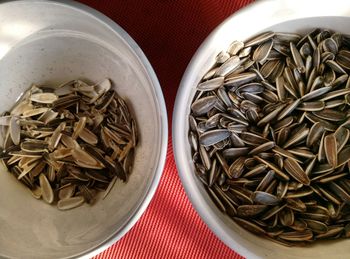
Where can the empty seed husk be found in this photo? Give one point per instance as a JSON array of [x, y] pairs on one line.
[[68, 143]]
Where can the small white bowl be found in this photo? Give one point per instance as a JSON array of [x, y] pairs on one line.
[[49, 42], [284, 16]]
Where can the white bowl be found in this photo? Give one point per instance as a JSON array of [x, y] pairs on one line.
[[48, 42], [284, 16]]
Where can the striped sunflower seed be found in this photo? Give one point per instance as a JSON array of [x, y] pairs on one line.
[[269, 134]]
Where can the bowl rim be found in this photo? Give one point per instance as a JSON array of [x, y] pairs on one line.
[[147, 197], [271, 10]]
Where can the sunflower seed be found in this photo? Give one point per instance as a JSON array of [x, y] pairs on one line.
[[316, 93], [297, 58], [70, 203], [342, 136], [203, 105], [235, 152], [296, 205], [235, 47], [339, 191], [303, 153], [268, 67], [228, 66], [250, 210], [252, 138], [266, 181], [89, 137], [288, 109], [286, 217], [34, 112], [45, 186], [262, 148], [334, 103], [315, 134], [332, 231], [284, 102], [262, 51], [265, 36], [237, 80], [214, 136], [66, 192], [245, 52], [273, 211], [269, 117], [236, 168], [343, 59], [56, 136], [330, 147], [311, 106], [335, 94], [15, 131], [330, 115], [46, 98], [279, 172], [297, 236], [37, 192], [296, 171], [298, 136], [211, 84]]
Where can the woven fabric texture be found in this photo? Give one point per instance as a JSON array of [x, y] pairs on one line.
[[169, 32]]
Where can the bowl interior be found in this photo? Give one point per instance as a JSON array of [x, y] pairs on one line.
[[282, 16], [57, 44]]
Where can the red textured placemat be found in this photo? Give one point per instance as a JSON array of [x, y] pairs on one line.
[[169, 32]]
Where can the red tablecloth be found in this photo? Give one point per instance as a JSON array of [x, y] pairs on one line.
[[169, 32]]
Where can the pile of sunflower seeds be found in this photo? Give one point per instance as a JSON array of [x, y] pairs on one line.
[[269, 134], [67, 143]]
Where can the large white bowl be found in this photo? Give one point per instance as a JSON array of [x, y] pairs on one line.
[[48, 42], [282, 15]]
